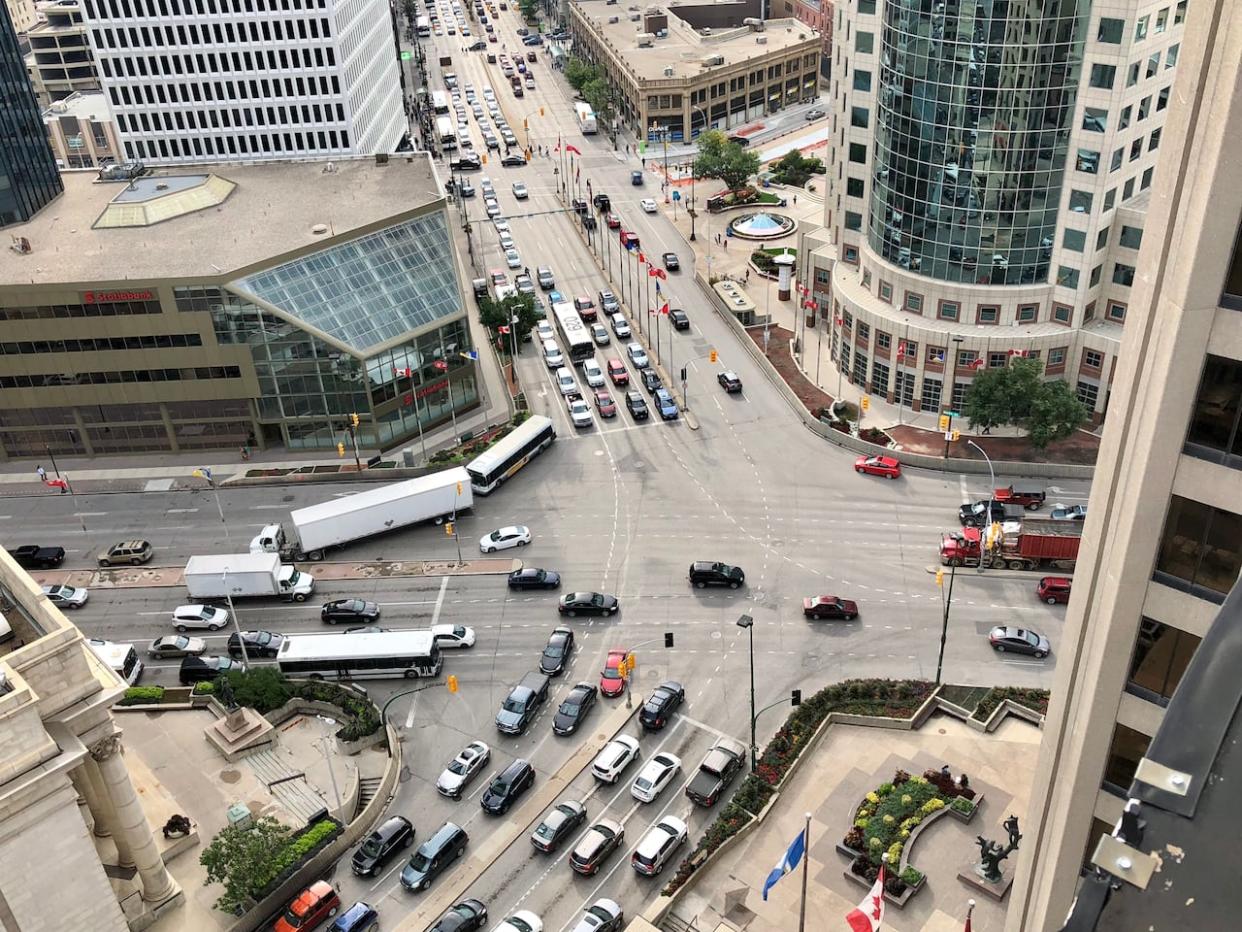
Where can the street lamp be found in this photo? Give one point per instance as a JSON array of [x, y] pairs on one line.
[[749, 624], [956, 348], [991, 494]]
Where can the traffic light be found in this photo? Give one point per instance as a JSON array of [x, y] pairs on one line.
[[957, 435], [451, 683], [629, 663], [448, 528], [668, 638], [796, 697], [353, 419], [713, 356], [945, 420], [865, 402], [340, 449]]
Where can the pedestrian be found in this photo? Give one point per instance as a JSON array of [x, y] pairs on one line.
[[245, 452], [748, 276], [527, 271], [42, 473], [795, 198]]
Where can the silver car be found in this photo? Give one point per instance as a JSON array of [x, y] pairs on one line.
[[463, 768], [66, 596], [199, 617]]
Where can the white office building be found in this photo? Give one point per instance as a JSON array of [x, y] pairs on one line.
[[242, 80]]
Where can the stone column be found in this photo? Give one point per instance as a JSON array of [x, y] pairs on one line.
[[131, 823], [90, 785]]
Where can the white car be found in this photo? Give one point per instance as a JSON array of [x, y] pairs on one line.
[[66, 596], [648, 205], [513, 259], [620, 326], [463, 768], [614, 758], [199, 617], [519, 191], [657, 847], [521, 921], [506, 241], [544, 331], [593, 374], [505, 538], [655, 776], [500, 223], [450, 636], [604, 915], [565, 381], [493, 210], [599, 333], [638, 355]]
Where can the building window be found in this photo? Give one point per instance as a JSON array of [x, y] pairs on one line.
[[853, 220], [868, 6], [1102, 76], [1214, 432], [1136, 149], [1153, 141], [1132, 75], [931, 394], [1123, 274], [1088, 161], [1170, 57], [1097, 271], [909, 349], [847, 321], [860, 117], [914, 302], [1161, 655], [854, 187], [1144, 108], [987, 314], [860, 367], [1028, 313], [1080, 201], [966, 358], [1146, 182], [1200, 549], [866, 279], [1110, 31], [1179, 11], [1075, 240], [1140, 28], [883, 340], [1087, 393], [949, 310], [1110, 198], [1162, 99], [864, 332], [879, 378], [850, 255], [1094, 119], [1062, 313], [886, 292], [864, 42], [1056, 356], [845, 356], [1088, 313], [1131, 237], [998, 360], [1067, 277], [858, 152], [1119, 156], [935, 355], [1116, 311], [1124, 753], [1101, 238], [1092, 359], [862, 80]]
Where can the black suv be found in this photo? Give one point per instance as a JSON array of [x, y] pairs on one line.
[[651, 381], [395, 833], [716, 574], [574, 708], [671, 262], [637, 406], [507, 787], [560, 648], [602, 202], [258, 644], [679, 318], [666, 699], [532, 577]]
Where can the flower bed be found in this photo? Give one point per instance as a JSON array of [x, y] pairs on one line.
[[1034, 699], [881, 698]]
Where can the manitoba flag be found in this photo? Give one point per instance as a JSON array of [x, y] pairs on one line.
[[870, 912], [657, 272]]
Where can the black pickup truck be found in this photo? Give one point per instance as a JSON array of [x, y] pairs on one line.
[[976, 515], [723, 762], [522, 704], [35, 557]]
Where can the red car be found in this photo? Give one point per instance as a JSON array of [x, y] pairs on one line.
[[613, 221], [616, 372], [585, 308], [628, 237], [603, 401], [611, 682], [884, 466], [1054, 589], [829, 606], [309, 908]]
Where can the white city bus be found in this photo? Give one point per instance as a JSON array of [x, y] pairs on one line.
[[586, 119], [122, 659], [360, 655], [578, 343], [439, 101], [501, 460], [446, 131]]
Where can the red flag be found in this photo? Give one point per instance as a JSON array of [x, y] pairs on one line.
[[657, 272], [503, 328], [870, 912], [664, 308], [569, 147], [440, 365], [1018, 352], [407, 373], [838, 321], [977, 364], [56, 483], [407, 400], [901, 347], [641, 257]]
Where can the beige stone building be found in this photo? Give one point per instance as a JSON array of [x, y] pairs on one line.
[[81, 131], [76, 851], [1163, 541], [60, 61], [696, 65], [22, 13]]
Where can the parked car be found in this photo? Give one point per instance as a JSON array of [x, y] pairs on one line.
[[601, 840], [348, 610], [704, 573], [199, 618], [574, 708], [176, 645], [66, 596], [656, 774], [660, 706], [310, 908], [557, 653], [393, 833], [884, 466], [657, 847], [505, 538], [729, 381], [588, 603], [615, 756], [258, 644], [829, 606], [131, 552], [507, 787], [1054, 589], [560, 822], [1011, 639], [462, 769], [532, 577]]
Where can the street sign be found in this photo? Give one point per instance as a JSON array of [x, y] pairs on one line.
[[677, 195], [948, 435]]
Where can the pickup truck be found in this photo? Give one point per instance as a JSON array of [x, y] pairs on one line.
[[579, 410], [1030, 499], [976, 515], [35, 557], [723, 762], [522, 704]]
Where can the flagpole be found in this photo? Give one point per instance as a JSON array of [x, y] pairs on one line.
[[806, 857]]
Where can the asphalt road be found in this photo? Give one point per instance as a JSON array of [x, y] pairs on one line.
[[623, 508]]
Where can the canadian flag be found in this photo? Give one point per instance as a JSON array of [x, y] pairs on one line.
[[406, 373], [503, 328], [664, 308], [657, 272], [901, 347], [870, 912], [441, 365], [1019, 352], [56, 484], [572, 148], [641, 258], [978, 363]]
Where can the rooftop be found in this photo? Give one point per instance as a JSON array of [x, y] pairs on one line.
[[85, 105], [203, 228], [684, 49]]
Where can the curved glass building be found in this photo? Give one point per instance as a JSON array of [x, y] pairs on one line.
[[973, 114]]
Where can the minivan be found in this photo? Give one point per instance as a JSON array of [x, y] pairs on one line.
[[433, 856], [395, 832], [552, 355]]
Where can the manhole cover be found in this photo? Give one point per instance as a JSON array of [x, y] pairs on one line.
[[230, 776]]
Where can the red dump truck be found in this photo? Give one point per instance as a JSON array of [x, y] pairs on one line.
[[1034, 543]]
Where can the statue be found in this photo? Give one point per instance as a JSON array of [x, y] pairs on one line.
[[224, 692], [991, 853]]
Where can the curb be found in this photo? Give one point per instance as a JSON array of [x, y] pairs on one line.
[[513, 832]]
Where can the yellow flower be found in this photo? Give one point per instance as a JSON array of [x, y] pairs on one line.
[[907, 799], [889, 820], [873, 797]]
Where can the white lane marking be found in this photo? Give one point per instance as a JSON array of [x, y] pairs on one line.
[[182, 511], [267, 507], [89, 514], [435, 613], [961, 484]]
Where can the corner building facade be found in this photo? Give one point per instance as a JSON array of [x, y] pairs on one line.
[[991, 167]]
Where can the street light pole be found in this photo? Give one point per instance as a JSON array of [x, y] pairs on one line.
[[991, 498], [957, 342], [241, 641], [749, 624], [944, 624]]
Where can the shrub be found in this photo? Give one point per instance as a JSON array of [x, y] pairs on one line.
[[205, 688], [894, 853], [911, 877], [300, 847], [884, 789], [963, 805], [1034, 699], [931, 806], [874, 435], [142, 695], [873, 797]]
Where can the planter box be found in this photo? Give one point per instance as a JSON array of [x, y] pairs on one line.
[[961, 816], [898, 901], [351, 748]]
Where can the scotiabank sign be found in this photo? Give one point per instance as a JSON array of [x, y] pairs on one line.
[[115, 297]]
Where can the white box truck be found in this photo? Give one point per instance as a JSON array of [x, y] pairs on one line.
[[242, 575], [314, 530]]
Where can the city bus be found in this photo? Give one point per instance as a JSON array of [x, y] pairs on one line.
[[501, 460], [578, 343], [357, 655], [122, 659], [586, 119], [439, 101], [423, 27], [446, 132]]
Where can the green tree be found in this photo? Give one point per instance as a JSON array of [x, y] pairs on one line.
[[795, 169], [495, 314], [1055, 414], [598, 93], [410, 9], [529, 10], [725, 160], [987, 399], [242, 859], [579, 73]]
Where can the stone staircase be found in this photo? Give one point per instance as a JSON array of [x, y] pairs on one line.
[[367, 788], [297, 796]]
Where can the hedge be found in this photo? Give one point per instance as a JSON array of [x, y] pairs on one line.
[[142, 695], [266, 689], [1034, 699]]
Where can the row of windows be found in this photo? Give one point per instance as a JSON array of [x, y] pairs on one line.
[[212, 146], [124, 9], [196, 34], [56, 311], [98, 344], [210, 119], [58, 379], [226, 92], [176, 66]]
